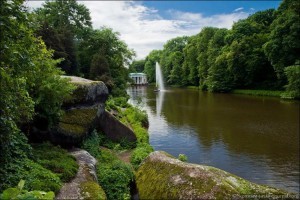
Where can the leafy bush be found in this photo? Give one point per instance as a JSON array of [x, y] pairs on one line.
[[114, 175], [19, 193], [56, 160], [182, 157], [135, 115], [36, 177], [115, 178], [293, 87], [140, 153], [92, 143]]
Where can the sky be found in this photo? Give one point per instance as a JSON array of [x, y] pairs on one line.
[[148, 25]]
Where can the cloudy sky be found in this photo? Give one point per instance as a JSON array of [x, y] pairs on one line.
[[147, 25]]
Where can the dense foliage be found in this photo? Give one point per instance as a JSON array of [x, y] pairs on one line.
[[113, 174], [255, 54], [95, 54], [19, 193], [30, 83], [51, 157]]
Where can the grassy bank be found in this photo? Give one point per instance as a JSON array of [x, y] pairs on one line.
[[270, 93]]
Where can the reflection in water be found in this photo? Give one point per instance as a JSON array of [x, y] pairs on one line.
[[256, 138], [159, 101]]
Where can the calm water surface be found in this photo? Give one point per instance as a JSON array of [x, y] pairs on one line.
[[256, 138]]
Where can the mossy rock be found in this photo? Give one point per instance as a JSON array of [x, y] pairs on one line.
[[74, 125], [161, 176], [87, 92], [115, 129], [92, 191]]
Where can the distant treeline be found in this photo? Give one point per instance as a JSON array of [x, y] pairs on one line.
[[260, 52]]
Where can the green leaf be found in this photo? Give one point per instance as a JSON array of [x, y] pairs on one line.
[[10, 193], [49, 195], [21, 184]]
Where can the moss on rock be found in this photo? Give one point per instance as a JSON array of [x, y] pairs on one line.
[[162, 177], [86, 92], [91, 191], [77, 122]]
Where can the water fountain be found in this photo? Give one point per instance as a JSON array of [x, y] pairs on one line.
[[159, 78], [159, 87]]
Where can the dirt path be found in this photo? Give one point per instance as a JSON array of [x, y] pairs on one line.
[[125, 156], [86, 172]]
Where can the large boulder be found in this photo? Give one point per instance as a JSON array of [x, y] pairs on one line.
[[84, 111], [162, 176], [87, 92], [114, 129], [81, 111], [85, 183]]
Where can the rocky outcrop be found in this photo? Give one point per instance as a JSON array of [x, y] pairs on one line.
[[82, 110], [85, 184], [162, 176], [114, 129]]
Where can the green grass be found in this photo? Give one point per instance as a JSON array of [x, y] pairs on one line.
[[270, 93]]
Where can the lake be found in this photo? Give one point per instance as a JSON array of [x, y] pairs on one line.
[[256, 138]]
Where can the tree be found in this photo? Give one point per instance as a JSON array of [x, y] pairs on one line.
[[173, 45], [30, 83], [283, 46], [103, 49], [63, 24], [99, 66], [247, 60], [190, 64], [219, 78], [175, 76], [137, 66], [203, 39], [151, 59]]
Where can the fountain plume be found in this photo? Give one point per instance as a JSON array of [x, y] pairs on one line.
[[159, 77]]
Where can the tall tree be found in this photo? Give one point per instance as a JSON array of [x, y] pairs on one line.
[[283, 46], [247, 60], [30, 83], [171, 46], [153, 57], [190, 64], [63, 24], [203, 39], [137, 66], [103, 49]]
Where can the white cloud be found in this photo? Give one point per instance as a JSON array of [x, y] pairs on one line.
[[143, 29], [239, 9]]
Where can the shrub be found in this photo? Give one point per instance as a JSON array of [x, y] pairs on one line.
[[19, 193], [92, 143], [293, 87], [135, 115], [115, 179], [56, 160], [36, 177], [139, 154], [114, 175], [182, 157]]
